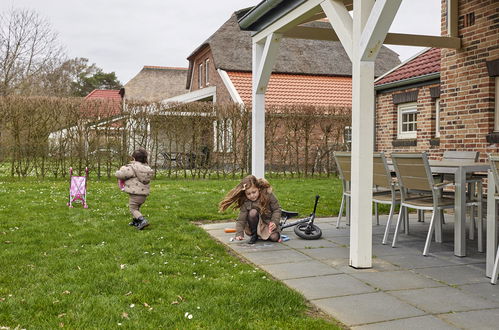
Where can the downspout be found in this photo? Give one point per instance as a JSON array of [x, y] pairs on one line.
[[257, 12]]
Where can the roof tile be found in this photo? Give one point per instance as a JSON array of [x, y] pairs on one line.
[[286, 89]]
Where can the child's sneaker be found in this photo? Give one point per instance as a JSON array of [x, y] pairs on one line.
[[142, 223], [134, 222]]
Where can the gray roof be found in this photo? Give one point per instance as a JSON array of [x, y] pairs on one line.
[[232, 51], [155, 83]]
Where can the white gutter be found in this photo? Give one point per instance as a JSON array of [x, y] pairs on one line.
[[408, 81], [196, 95], [257, 12], [234, 94]]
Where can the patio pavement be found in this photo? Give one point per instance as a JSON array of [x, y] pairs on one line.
[[403, 289]]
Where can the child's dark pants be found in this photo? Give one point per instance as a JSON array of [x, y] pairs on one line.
[[135, 202]]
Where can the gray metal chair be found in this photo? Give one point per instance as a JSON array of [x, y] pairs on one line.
[[343, 162], [414, 174], [494, 166], [385, 189]]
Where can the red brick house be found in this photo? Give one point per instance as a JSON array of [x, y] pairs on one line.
[[444, 99]]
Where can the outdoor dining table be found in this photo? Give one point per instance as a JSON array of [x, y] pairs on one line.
[[459, 169]]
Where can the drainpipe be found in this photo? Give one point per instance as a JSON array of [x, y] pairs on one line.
[[257, 12]]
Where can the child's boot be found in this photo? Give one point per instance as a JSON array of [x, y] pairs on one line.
[[142, 223], [134, 222], [253, 239]]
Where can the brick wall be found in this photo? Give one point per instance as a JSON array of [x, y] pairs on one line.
[[386, 122], [468, 95], [222, 95], [467, 91]]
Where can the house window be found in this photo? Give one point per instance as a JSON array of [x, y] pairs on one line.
[[222, 135], [207, 72], [407, 120], [437, 117], [496, 121], [200, 75], [347, 136]]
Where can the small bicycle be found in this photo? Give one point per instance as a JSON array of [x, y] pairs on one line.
[[305, 228]]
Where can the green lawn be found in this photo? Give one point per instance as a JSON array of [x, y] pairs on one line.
[[86, 268]]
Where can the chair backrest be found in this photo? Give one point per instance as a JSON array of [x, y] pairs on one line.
[[494, 166], [413, 171], [343, 161], [381, 172], [461, 155]]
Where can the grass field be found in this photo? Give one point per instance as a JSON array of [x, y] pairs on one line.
[[86, 268]]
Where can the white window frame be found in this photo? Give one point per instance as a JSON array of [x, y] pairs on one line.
[[207, 72], [403, 109], [222, 135], [200, 75], [496, 117], [437, 117], [347, 136]]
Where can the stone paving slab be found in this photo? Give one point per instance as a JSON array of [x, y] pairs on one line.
[[484, 290], [455, 275], [416, 260], [327, 253], [276, 257], [301, 269], [412, 323], [298, 243], [367, 308], [443, 300], [401, 280], [328, 286], [484, 319]]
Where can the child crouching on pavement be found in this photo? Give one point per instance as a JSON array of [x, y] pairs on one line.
[[259, 210], [137, 175]]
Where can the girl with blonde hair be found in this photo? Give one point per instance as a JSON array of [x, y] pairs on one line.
[[259, 209]]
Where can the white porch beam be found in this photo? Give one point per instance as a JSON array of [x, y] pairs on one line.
[[341, 21], [401, 39], [267, 61], [297, 16], [376, 28]]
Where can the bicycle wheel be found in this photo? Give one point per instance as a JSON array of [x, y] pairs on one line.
[[308, 231]]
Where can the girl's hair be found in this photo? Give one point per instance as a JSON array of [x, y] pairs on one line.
[[140, 155], [237, 195]]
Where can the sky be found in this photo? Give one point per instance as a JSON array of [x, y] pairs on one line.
[[122, 36]]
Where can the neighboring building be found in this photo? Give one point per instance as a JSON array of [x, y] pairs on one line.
[[102, 103], [220, 69], [445, 99], [155, 83]]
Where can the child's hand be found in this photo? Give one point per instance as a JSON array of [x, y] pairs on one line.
[[272, 226], [239, 238]]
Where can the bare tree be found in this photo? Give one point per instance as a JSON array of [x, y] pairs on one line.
[[29, 52]]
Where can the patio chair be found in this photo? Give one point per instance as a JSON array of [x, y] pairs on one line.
[[386, 189], [494, 166], [414, 174], [343, 162]]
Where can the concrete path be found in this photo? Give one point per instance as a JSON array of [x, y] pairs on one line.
[[403, 289]]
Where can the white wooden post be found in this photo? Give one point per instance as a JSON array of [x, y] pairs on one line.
[[264, 55], [362, 144]]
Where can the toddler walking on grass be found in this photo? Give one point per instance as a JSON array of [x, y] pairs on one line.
[[259, 210], [137, 175]]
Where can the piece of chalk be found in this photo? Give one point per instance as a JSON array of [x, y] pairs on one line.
[[229, 230]]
